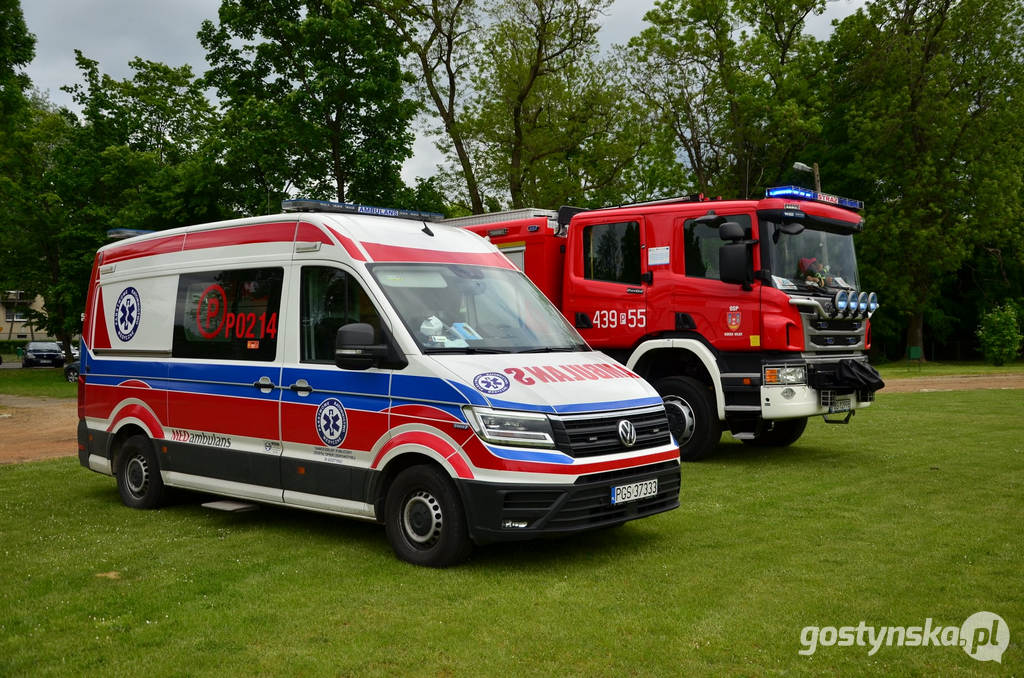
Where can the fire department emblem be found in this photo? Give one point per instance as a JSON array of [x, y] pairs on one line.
[[491, 383], [733, 319], [127, 314], [331, 422]]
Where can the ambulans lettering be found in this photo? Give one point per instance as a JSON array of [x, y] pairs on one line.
[[209, 439], [127, 314], [528, 376]]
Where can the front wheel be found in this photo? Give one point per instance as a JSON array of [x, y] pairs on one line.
[[424, 518], [692, 416], [783, 432], [138, 475]]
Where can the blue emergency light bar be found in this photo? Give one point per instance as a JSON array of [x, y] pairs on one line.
[[353, 208], [800, 193]]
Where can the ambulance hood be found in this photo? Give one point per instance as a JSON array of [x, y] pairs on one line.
[[556, 382]]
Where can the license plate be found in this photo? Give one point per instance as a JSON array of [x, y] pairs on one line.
[[622, 494], [839, 405]]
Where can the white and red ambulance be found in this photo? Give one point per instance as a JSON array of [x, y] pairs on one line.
[[362, 362]]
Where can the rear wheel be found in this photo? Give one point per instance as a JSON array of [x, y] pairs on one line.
[[138, 475], [692, 416], [424, 518], [783, 432]]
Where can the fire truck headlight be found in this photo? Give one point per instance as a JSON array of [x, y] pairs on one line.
[[841, 302], [862, 304], [872, 303], [511, 428], [787, 374]]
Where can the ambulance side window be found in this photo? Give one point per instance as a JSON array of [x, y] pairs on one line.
[[701, 244], [228, 315], [330, 298], [611, 252]]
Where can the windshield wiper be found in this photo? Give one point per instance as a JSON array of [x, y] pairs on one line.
[[464, 349], [553, 349]]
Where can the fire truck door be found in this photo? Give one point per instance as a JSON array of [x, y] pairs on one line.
[[607, 298]]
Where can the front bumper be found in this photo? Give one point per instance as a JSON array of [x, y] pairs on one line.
[[500, 512]]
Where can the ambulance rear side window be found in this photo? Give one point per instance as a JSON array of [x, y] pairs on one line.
[[228, 315]]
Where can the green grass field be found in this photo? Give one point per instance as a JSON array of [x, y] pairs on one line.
[[912, 512]]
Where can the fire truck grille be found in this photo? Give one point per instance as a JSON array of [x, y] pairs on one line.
[[597, 434]]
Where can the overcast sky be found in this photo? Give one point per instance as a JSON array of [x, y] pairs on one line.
[[113, 32]]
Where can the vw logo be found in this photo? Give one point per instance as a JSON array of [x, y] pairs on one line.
[[627, 432], [127, 314], [331, 422]]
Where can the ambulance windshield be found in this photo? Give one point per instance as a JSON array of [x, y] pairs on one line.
[[813, 260], [454, 308]]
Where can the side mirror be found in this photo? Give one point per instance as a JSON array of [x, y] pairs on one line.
[[354, 348], [736, 265], [731, 231]]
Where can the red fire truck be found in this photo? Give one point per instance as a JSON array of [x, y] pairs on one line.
[[746, 315]]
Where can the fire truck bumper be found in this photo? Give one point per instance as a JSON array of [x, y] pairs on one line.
[[789, 402]]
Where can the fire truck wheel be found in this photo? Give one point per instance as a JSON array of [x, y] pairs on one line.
[[783, 432], [691, 416], [424, 518], [138, 476]]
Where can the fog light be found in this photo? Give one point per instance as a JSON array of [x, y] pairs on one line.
[[788, 393]]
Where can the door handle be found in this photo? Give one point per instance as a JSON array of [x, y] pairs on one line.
[[301, 387], [264, 384]]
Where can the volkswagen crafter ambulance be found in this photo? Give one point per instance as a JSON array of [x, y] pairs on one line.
[[361, 362]]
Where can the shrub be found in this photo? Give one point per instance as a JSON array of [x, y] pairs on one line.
[[999, 334]]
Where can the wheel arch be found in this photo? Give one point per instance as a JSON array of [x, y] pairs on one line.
[[659, 358]]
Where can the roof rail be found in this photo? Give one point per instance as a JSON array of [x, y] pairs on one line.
[[353, 208]]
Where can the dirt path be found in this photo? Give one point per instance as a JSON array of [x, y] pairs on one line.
[[42, 428]]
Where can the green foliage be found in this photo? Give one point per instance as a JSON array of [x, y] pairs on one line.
[[314, 100], [17, 47], [1000, 335], [924, 104]]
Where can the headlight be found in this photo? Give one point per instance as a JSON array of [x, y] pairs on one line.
[[872, 302], [515, 428], [788, 374], [841, 303]]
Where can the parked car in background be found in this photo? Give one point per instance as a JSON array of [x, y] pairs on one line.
[[43, 353], [71, 371]]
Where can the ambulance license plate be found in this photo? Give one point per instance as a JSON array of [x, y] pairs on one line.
[[839, 405], [622, 494]]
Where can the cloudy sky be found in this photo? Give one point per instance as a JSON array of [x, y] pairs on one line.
[[113, 32]]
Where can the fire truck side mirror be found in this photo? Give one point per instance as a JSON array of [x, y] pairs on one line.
[[735, 265], [731, 231]]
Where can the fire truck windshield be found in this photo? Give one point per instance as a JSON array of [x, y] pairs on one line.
[[812, 260], [454, 308]]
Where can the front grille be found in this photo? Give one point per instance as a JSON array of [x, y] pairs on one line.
[[588, 503], [596, 434], [833, 334]]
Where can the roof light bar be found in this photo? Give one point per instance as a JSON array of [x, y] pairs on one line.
[[808, 194], [353, 208]]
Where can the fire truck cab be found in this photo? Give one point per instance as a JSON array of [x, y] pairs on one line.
[[746, 315]]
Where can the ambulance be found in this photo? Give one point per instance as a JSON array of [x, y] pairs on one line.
[[362, 362]]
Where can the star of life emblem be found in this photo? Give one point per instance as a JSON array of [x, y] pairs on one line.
[[127, 314], [331, 422]]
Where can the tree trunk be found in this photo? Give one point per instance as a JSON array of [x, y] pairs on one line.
[[915, 335]]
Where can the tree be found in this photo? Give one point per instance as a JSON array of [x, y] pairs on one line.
[[926, 110], [442, 37], [314, 98], [733, 82], [17, 48]]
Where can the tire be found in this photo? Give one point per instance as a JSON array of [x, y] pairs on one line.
[[783, 432], [424, 518], [71, 374], [692, 416], [138, 475]]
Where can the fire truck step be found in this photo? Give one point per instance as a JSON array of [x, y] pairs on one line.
[[230, 506]]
